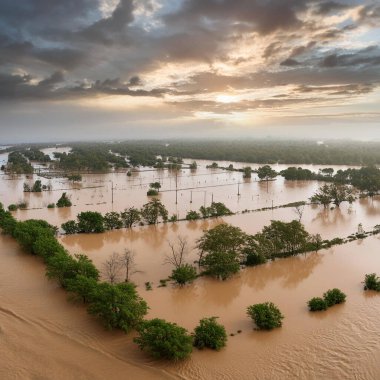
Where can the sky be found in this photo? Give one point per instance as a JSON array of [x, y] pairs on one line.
[[120, 69]]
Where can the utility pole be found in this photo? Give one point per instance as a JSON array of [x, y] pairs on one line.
[[176, 186], [112, 191], [212, 198], [238, 189], [191, 196]]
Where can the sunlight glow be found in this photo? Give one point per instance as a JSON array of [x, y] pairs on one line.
[[226, 99]]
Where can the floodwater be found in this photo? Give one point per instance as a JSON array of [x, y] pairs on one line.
[[45, 336], [117, 191]]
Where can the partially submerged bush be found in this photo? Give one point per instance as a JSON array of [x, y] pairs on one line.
[[70, 227], [372, 282], [12, 207], [265, 315], [164, 340], [255, 259], [317, 304], [64, 201], [210, 334], [192, 215], [183, 274], [333, 297], [152, 193]]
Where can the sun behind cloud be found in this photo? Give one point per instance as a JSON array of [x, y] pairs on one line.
[[225, 98]]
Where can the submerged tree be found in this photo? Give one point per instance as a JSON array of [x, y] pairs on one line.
[[127, 261], [112, 268], [247, 172], [266, 173], [64, 201], [112, 220], [265, 315], [209, 333], [178, 251], [90, 221], [333, 193], [118, 306], [130, 216], [164, 340], [153, 211], [221, 249]]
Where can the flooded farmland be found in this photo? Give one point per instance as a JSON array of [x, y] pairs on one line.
[[45, 336]]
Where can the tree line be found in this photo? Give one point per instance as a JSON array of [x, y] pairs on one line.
[[150, 213]]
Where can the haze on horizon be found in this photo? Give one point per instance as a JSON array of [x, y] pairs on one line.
[[104, 69]]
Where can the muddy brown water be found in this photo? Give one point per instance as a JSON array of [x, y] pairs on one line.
[[44, 336]]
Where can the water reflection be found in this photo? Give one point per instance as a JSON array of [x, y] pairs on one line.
[[290, 272]]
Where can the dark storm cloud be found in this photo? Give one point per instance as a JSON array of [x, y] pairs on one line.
[[112, 28], [330, 6], [82, 48], [263, 16], [23, 87], [366, 57], [27, 18], [290, 62]]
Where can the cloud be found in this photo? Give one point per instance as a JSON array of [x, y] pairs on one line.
[[184, 54], [113, 28], [290, 62], [13, 87], [323, 8]]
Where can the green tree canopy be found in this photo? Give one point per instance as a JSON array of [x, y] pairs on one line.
[[164, 340], [117, 305], [209, 333], [90, 221], [153, 211]]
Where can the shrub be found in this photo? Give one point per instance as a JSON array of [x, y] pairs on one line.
[[12, 207], [336, 241], [163, 339], [70, 227], [173, 218], [265, 315], [37, 187], [255, 259], [183, 274], [22, 205], [210, 334], [333, 297], [317, 304], [74, 177], [51, 205], [192, 215], [152, 192], [64, 201], [90, 221], [372, 282]]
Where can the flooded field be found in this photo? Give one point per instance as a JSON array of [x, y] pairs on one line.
[[44, 336]]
